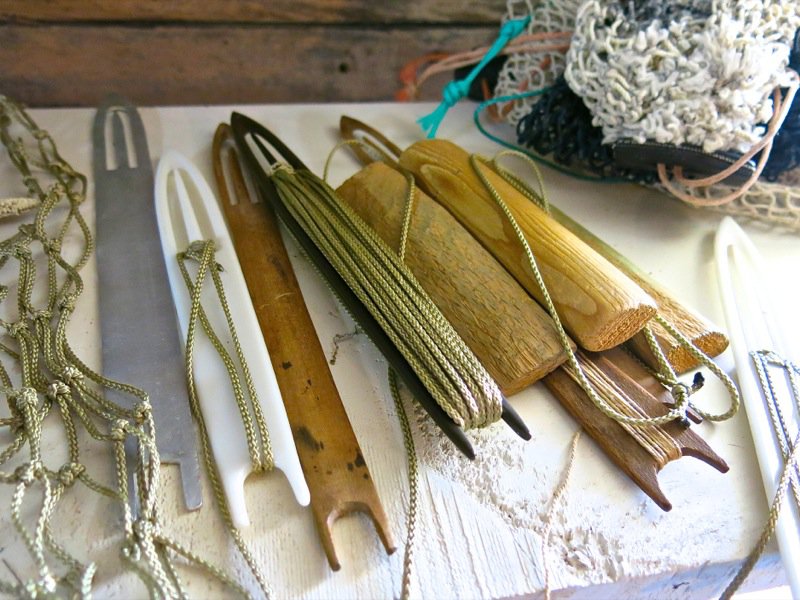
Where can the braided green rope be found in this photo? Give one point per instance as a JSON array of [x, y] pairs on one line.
[[789, 443], [387, 288], [679, 390], [792, 461], [408, 439], [667, 374], [48, 378], [413, 485], [261, 455], [763, 360], [258, 443], [405, 427]]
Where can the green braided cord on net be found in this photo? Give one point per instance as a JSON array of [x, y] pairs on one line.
[[57, 390], [413, 485], [49, 378], [667, 376]]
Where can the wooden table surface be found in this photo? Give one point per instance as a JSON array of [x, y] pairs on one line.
[[481, 523]]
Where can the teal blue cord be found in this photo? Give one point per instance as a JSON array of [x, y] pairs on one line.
[[561, 169], [456, 90]]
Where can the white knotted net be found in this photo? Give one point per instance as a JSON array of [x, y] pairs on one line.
[[537, 70], [700, 73], [773, 203], [697, 72]]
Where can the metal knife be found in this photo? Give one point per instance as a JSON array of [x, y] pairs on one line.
[[139, 329]]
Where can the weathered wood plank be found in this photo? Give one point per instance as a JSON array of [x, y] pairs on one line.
[[78, 66], [290, 11]]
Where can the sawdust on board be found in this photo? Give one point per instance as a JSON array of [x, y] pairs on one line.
[[507, 477]]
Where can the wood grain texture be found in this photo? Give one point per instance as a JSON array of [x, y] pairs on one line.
[[622, 448], [702, 334], [58, 65], [337, 474], [598, 305], [511, 335], [257, 11], [706, 336]]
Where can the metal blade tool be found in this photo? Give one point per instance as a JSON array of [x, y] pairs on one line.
[[140, 336]]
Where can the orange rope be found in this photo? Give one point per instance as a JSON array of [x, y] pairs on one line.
[[529, 43], [781, 108]]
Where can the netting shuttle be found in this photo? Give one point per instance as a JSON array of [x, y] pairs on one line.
[[185, 217], [245, 128], [326, 443], [140, 335]]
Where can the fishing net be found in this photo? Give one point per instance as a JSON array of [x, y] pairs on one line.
[[536, 70], [58, 411], [698, 73]]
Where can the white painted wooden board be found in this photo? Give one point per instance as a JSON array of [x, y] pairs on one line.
[[480, 527]]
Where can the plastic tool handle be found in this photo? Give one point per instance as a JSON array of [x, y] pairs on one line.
[[750, 327], [226, 429]]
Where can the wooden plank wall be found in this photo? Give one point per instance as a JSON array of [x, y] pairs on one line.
[[155, 52]]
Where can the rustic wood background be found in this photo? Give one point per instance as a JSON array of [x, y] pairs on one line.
[[74, 52]]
